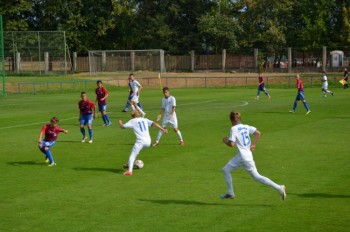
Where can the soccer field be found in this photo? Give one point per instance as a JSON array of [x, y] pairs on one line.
[[179, 187]]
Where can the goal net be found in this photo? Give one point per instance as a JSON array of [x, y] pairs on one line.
[[126, 61]]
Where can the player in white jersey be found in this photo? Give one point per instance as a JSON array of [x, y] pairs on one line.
[[168, 110], [143, 139], [325, 85], [136, 89], [239, 136]]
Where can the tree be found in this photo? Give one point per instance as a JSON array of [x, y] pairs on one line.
[[315, 23], [14, 14], [344, 32], [264, 23], [219, 28]]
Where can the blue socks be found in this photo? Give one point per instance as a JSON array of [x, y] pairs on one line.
[[306, 106], [90, 133]]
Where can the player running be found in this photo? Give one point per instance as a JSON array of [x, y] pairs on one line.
[[300, 96], [50, 133], [261, 87], [325, 85], [239, 136], [136, 89], [129, 98]]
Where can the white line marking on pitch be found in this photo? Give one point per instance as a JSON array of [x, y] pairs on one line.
[[35, 123], [244, 103]]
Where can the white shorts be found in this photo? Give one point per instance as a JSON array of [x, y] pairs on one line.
[[138, 147], [325, 85], [237, 162], [172, 122], [135, 99]]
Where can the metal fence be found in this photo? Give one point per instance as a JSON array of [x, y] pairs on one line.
[[243, 61], [36, 51], [46, 52], [174, 82]]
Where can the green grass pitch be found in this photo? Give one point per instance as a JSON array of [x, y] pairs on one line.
[[179, 187]]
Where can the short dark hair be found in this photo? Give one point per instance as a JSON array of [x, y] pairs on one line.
[[54, 120], [235, 116], [99, 81], [165, 88]]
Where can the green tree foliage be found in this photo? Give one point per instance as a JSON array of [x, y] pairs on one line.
[[315, 19], [344, 34], [184, 25], [14, 14], [265, 23], [219, 28]]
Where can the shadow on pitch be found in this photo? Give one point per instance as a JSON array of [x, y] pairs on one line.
[[320, 195], [113, 170], [275, 112], [19, 163], [191, 202]]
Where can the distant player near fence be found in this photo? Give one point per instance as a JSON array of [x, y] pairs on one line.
[[261, 87]]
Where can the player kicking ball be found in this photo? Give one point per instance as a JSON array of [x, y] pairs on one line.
[[239, 136], [140, 127]]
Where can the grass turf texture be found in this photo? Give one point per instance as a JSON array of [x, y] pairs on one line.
[[179, 187]]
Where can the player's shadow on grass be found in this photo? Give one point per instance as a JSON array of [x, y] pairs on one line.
[[18, 163], [191, 202], [320, 195], [70, 141], [274, 112], [179, 202], [114, 170]]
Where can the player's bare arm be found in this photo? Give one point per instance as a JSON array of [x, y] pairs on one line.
[[160, 114], [229, 143], [164, 130], [139, 91], [40, 140], [94, 109], [172, 112], [120, 122], [257, 135]]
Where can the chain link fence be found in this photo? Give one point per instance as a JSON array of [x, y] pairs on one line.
[[36, 52]]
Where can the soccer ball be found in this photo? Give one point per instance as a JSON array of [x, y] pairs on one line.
[[139, 164]]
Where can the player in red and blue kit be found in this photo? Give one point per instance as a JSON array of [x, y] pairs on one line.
[[261, 87], [50, 133], [300, 96], [87, 112], [101, 98]]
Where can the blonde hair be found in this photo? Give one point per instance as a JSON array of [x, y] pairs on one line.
[[135, 114]]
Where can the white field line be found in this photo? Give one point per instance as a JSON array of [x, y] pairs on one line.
[[242, 103], [34, 123]]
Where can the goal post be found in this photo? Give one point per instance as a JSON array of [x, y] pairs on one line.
[[105, 61], [2, 58]]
